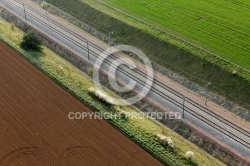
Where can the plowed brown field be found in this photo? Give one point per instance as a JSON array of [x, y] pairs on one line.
[[35, 129]]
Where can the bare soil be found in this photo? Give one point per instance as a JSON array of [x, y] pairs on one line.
[[35, 128]]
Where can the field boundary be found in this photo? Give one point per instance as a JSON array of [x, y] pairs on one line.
[[68, 89], [127, 131], [14, 61], [124, 130]]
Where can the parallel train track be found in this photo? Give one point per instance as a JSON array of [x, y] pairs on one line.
[[127, 71]]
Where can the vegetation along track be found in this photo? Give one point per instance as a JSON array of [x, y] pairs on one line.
[[178, 95], [168, 50]]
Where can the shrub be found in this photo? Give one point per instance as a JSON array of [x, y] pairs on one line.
[[101, 95], [124, 115], [90, 71], [164, 140], [44, 5], [31, 42], [121, 112], [190, 154], [12, 27]]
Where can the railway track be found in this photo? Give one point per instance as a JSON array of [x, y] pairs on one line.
[[228, 128]]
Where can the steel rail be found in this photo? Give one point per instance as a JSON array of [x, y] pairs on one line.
[[159, 83]]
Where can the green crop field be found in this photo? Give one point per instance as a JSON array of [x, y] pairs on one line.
[[220, 26]]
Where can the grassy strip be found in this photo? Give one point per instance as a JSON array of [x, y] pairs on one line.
[[73, 80], [181, 57]]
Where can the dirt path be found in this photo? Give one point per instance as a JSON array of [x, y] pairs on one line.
[[35, 129]]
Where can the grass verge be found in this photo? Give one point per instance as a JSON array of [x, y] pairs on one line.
[[75, 82]]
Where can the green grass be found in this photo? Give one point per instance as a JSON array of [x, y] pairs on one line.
[[220, 26], [167, 50], [140, 130]]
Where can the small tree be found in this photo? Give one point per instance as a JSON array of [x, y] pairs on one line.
[[44, 5], [31, 42]]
